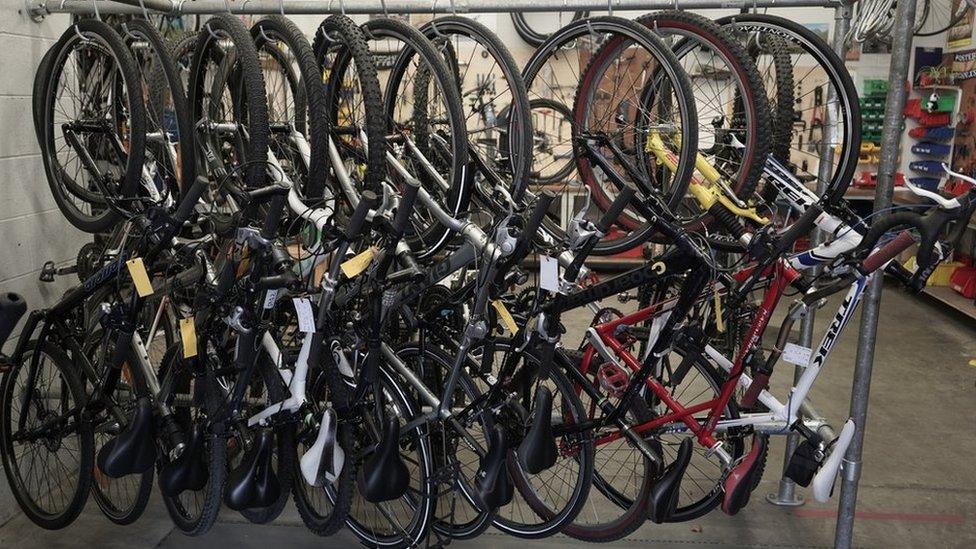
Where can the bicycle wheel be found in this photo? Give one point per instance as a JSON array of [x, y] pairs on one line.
[[609, 62], [48, 448], [824, 100], [123, 500], [457, 514], [296, 103], [938, 16], [490, 84], [535, 31], [551, 499], [94, 125], [194, 398], [325, 511], [266, 388], [402, 522], [354, 107], [622, 476], [170, 152], [228, 102], [426, 125], [734, 125]]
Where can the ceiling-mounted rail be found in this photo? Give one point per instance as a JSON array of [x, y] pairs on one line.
[[297, 7]]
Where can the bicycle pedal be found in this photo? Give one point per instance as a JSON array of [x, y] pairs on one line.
[[613, 379], [47, 272]]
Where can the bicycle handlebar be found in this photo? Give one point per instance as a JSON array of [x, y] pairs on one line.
[[524, 243], [368, 200], [929, 226]]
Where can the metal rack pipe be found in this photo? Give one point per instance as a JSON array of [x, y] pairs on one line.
[[297, 7], [890, 144]]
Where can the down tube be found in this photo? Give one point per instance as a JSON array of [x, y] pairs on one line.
[[843, 316]]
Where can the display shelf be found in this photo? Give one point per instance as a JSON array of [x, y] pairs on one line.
[[947, 296]]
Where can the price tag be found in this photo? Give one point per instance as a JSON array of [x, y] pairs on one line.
[[270, 298], [549, 273], [504, 316], [797, 354], [355, 265], [137, 270], [303, 308], [719, 323], [188, 334]]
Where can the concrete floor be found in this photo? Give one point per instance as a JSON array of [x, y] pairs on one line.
[[918, 486]]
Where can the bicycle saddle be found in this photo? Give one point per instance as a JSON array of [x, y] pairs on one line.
[[385, 476], [189, 470], [323, 462], [492, 483], [738, 485], [134, 449], [253, 484], [538, 451], [665, 492]]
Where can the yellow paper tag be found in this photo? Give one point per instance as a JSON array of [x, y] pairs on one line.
[[719, 323], [188, 334], [137, 270], [506, 317], [355, 265]]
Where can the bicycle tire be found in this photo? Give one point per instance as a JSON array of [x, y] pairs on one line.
[[250, 91], [61, 183], [951, 23], [430, 238], [311, 116], [199, 523], [65, 370], [845, 160], [635, 509], [165, 77], [693, 28], [530, 35], [284, 447], [551, 521], [419, 524], [472, 527], [518, 121], [636, 33], [344, 487]]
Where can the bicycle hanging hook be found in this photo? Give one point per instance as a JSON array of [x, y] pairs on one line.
[[610, 7], [227, 6], [95, 6], [281, 7], [145, 12], [386, 12]]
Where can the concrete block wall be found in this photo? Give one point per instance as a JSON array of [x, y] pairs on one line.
[[32, 230]]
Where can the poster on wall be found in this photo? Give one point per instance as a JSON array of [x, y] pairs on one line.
[[961, 34]]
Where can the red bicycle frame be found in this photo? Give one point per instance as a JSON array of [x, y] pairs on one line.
[[782, 275]]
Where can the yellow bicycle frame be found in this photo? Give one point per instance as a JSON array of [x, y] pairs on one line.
[[706, 195]]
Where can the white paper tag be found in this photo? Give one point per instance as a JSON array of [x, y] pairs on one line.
[[797, 354], [270, 298], [549, 273], [303, 308], [655, 331]]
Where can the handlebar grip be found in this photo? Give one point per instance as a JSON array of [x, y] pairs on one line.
[[616, 208], [286, 279], [889, 251], [802, 227], [409, 264], [190, 199], [405, 208], [367, 200], [12, 307], [532, 225]]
